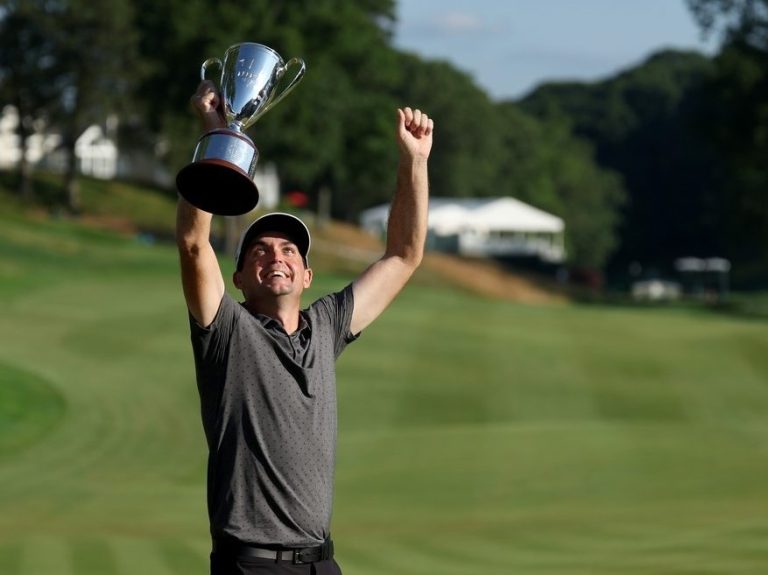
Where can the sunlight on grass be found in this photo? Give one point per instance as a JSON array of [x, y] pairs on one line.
[[545, 439]]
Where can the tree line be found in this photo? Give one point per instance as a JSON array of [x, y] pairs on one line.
[[574, 150], [689, 136]]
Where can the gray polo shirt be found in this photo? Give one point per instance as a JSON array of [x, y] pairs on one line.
[[268, 403]]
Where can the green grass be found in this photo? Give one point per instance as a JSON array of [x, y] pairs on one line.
[[145, 208], [475, 436], [29, 408]]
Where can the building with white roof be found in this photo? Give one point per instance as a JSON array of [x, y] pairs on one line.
[[485, 227], [99, 156]]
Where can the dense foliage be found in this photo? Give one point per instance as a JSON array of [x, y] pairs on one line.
[[644, 124], [661, 161], [689, 135], [334, 133], [736, 125]]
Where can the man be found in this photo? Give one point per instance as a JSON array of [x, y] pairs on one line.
[[265, 368]]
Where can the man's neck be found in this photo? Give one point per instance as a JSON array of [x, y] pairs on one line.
[[287, 313]]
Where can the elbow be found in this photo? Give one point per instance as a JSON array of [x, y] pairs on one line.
[[184, 241], [414, 260], [409, 251], [188, 244], [413, 254], [409, 259]]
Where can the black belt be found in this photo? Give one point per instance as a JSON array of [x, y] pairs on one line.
[[297, 556]]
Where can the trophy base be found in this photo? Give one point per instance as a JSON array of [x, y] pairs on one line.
[[220, 178], [218, 187]]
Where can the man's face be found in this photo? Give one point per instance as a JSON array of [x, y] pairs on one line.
[[272, 266]]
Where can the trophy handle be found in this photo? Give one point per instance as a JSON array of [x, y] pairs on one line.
[[291, 85], [206, 64]]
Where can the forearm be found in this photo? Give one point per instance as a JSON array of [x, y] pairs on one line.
[[407, 226], [378, 285], [200, 273]]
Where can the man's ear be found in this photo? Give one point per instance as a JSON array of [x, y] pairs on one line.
[[236, 279], [307, 277]]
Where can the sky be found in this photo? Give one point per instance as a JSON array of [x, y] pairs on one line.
[[511, 46]]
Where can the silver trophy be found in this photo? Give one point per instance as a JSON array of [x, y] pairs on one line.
[[219, 179]]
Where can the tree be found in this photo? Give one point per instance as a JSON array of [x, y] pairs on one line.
[[95, 52], [69, 62], [645, 125], [467, 151], [326, 132], [344, 115], [740, 21], [487, 149], [545, 165], [736, 124], [27, 74]]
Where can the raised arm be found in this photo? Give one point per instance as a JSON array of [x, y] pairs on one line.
[[200, 273], [377, 286]]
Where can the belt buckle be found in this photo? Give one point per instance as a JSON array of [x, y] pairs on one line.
[[312, 554], [296, 560]]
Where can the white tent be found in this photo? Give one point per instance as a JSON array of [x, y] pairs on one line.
[[485, 227], [491, 214]]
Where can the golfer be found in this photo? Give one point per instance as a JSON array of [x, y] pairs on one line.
[[266, 367]]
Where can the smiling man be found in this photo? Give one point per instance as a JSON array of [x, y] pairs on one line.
[[266, 367], [271, 261]]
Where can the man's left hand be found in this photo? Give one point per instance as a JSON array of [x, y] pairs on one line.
[[414, 133]]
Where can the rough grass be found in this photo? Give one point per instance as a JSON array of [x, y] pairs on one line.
[[476, 436]]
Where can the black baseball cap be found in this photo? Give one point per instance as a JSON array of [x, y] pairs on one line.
[[281, 222]]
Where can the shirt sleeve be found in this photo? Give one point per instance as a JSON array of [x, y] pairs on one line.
[[210, 344], [336, 309]]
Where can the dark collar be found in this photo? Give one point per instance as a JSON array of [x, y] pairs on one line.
[[272, 324]]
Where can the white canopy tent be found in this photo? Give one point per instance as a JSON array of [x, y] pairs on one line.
[[485, 227]]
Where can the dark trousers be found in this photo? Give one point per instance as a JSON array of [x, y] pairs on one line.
[[231, 565]]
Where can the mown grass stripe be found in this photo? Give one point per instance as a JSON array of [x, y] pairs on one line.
[[183, 558], [93, 556], [133, 555], [29, 408], [566, 440], [44, 554], [11, 557]]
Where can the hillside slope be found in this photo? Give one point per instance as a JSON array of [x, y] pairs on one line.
[[337, 247], [482, 277]]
